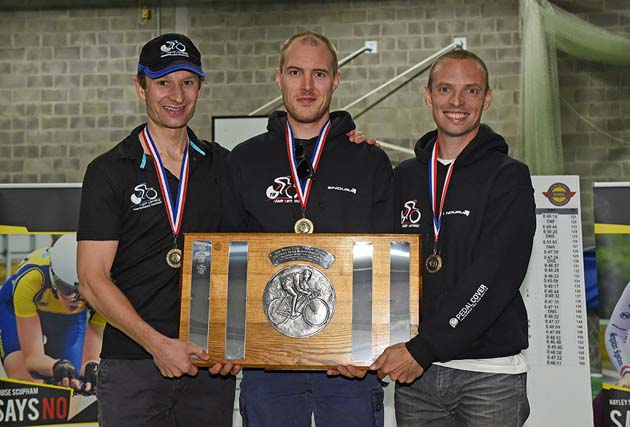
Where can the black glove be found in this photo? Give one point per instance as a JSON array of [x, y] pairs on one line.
[[63, 369], [90, 377]]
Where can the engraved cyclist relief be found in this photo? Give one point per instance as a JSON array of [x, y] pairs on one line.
[[299, 301]]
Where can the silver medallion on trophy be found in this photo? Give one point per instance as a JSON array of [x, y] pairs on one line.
[[299, 301]]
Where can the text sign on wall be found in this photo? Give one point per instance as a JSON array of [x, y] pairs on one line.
[[559, 378]]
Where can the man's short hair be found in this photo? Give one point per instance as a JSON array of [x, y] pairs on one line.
[[460, 54], [313, 39]]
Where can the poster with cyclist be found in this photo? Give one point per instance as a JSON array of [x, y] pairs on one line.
[[50, 339]]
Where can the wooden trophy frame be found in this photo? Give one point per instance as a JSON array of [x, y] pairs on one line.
[[299, 301]]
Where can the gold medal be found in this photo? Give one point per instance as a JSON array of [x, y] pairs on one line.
[[174, 258], [433, 263], [303, 226]]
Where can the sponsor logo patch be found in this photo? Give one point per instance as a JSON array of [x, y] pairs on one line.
[[559, 194], [410, 215], [173, 48], [281, 191], [465, 212], [345, 189], [144, 197], [470, 305]]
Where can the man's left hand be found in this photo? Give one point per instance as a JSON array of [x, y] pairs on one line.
[[227, 368], [398, 363], [359, 137], [348, 371]]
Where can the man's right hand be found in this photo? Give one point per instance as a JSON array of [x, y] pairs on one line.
[[173, 357], [65, 374], [398, 363]]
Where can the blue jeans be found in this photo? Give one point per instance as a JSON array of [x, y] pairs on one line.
[[288, 399], [134, 393], [446, 397]]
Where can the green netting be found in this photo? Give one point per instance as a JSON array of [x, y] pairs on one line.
[[546, 28], [584, 40]]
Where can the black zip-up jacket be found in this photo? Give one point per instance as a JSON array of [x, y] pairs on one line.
[[472, 307], [351, 190]]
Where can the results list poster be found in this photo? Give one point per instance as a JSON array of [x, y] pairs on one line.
[[559, 378]]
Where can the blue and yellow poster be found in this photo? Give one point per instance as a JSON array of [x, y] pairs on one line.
[[49, 338]]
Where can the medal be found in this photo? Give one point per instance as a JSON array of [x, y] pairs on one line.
[[174, 210], [433, 263], [303, 226], [303, 186], [174, 258]]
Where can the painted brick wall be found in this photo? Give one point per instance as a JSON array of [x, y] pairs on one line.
[[66, 92]]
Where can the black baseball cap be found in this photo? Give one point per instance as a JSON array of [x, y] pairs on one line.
[[167, 53]]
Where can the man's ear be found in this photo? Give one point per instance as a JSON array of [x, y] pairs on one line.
[[139, 89], [488, 100], [427, 96], [336, 80], [278, 77]]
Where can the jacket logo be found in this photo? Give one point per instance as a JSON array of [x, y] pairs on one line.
[[346, 189], [457, 212], [470, 305], [281, 191], [144, 197], [410, 215]]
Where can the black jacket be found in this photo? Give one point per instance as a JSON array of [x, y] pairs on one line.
[[472, 307], [351, 191]]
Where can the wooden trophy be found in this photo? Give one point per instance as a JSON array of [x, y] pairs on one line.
[[299, 301]]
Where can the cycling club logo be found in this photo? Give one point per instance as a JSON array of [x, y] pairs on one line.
[[144, 197], [281, 191], [410, 215], [559, 194], [173, 48]]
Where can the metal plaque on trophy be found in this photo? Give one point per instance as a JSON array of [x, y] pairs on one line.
[[299, 301]]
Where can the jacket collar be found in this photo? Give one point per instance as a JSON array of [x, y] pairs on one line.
[[131, 148]]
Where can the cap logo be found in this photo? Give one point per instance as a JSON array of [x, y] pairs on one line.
[[173, 48]]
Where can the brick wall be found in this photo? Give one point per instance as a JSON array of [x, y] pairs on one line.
[[66, 92]]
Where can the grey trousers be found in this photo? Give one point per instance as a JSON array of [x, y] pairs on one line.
[[446, 397]]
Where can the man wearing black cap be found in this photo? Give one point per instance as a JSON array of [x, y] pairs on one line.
[[137, 201]]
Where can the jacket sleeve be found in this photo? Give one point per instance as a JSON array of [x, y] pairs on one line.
[[383, 202], [491, 281], [235, 217]]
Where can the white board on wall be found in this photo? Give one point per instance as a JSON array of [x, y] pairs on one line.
[[558, 382], [229, 131]]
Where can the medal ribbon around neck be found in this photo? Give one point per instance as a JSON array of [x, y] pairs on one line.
[[303, 187], [175, 211], [437, 214]]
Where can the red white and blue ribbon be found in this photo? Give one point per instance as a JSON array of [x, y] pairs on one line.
[[303, 187], [175, 211], [437, 212]]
